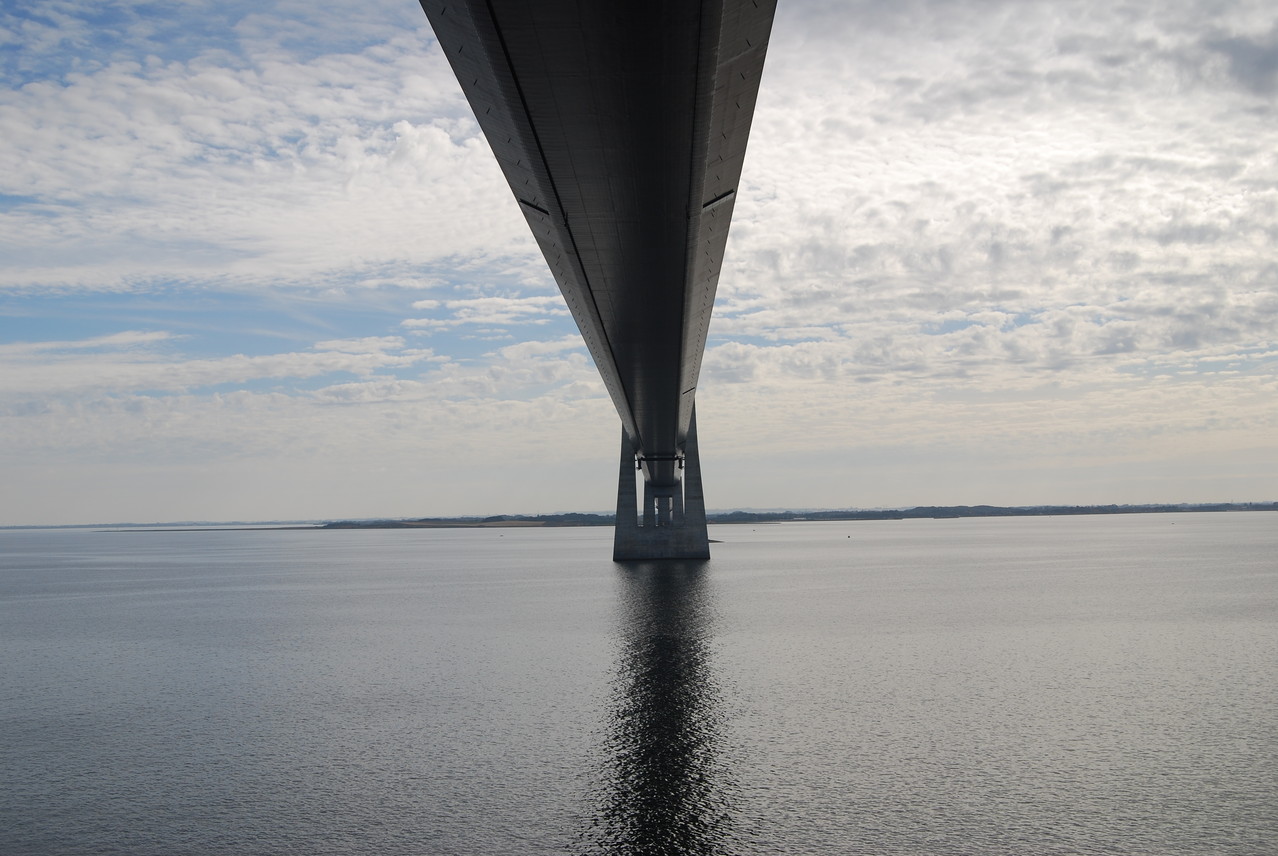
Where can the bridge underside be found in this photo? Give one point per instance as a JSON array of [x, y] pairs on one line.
[[621, 129]]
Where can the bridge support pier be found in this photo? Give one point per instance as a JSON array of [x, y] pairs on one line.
[[674, 516]]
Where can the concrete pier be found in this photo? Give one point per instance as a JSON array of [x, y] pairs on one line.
[[672, 524]]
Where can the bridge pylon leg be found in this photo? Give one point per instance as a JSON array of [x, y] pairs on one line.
[[678, 531]]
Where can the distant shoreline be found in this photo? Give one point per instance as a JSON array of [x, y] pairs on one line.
[[526, 521], [928, 512]]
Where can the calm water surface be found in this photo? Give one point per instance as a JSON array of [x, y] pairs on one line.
[[1072, 685]]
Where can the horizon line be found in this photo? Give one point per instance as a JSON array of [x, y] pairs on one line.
[[1265, 505]]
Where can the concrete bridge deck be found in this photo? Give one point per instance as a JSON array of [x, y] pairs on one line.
[[621, 129]]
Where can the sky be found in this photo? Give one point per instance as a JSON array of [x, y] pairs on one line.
[[258, 263]]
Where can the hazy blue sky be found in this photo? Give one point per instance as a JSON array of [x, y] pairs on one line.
[[259, 264]]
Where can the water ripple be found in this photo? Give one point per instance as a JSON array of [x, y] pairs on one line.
[[667, 788]]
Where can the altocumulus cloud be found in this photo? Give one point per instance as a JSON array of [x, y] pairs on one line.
[[113, 364], [983, 252], [489, 312]]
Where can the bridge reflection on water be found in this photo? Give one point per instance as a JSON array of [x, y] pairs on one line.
[[668, 788]]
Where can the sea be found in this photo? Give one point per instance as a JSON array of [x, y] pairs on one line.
[[1032, 685]]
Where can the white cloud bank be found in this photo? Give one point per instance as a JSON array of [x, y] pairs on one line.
[[984, 252]]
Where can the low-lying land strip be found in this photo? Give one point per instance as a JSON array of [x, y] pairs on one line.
[[922, 511]]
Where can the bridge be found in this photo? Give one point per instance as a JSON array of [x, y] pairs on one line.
[[621, 129]]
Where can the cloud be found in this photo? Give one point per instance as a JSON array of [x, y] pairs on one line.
[[1253, 61], [126, 339], [268, 169], [367, 345], [1023, 248], [1062, 168], [490, 312], [529, 350], [114, 365]]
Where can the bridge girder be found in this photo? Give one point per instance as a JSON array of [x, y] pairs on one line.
[[621, 129]]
